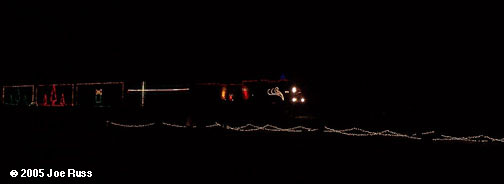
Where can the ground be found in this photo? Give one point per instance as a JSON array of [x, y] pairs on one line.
[[171, 154]]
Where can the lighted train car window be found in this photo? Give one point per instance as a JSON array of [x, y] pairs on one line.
[[18, 95], [55, 95], [231, 94], [100, 95]]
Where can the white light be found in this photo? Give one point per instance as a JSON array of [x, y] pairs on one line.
[[143, 93], [294, 99], [294, 89], [302, 100], [349, 132], [158, 90], [275, 92]]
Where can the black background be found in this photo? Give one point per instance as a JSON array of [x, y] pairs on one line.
[[439, 63], [417, 65]]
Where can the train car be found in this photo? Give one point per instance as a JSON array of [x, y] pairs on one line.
[[18, 95]]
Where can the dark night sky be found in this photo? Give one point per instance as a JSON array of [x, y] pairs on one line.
[[409, 60]]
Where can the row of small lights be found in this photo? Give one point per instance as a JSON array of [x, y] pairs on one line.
[[478, 138], [364, 133], [348, 132], [130, 126], [174, 125], [271, 128]]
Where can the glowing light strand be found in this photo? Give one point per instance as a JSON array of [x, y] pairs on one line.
[[214, 125], [158, 90], [174, 125], [348, 132], [478, 138], [428, 133], [275, 92], [130, 126], [365, 133]]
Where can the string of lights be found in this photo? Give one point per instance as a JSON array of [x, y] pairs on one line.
[[213, 125], [130, 126], [174, 125], [268, 127], [358, 132], [428, 133], [479, 138], [365, 133]]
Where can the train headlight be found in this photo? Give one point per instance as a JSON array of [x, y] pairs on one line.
[[302, 100], [294, 99], [294, 89]]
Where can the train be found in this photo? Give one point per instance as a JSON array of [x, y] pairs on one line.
[[245, 99]]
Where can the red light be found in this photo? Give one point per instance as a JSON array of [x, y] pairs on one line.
[[45, 100], [52, 100], [53, 97], [245, 93], [62, 100]]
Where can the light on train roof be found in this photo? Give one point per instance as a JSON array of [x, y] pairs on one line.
[[294, 89]]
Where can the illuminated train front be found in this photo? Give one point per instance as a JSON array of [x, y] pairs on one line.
[[276, 100]]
